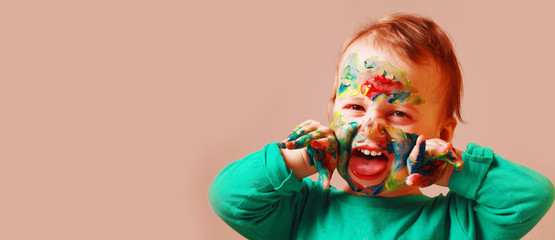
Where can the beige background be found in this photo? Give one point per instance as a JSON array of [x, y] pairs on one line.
[[116, 115]]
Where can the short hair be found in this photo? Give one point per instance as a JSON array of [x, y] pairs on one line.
[[418, 39]]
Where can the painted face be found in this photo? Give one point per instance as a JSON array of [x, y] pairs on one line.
[[390, 111]]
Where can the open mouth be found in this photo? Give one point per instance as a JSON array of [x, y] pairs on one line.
[[367, 164]]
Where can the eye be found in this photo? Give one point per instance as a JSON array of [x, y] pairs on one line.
[[355, 107], [400, 114]]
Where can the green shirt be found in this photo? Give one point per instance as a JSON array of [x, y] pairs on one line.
[[491, 198]]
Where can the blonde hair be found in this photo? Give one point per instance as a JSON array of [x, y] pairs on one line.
[[420, 40]]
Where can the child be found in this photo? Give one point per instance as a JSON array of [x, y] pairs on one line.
[[396, 96]]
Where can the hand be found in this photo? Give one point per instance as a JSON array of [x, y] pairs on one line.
[[321, 147], [432, 161], [344, 132]]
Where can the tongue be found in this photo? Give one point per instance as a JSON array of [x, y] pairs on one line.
[[368, 166]]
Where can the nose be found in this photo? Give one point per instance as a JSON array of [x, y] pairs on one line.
[[373, 128]]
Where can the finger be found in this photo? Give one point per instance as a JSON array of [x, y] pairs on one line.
[[324, 180], [301, 130], [344, 136], [416, 156], [316, 153], [323, 154], [439, 152], [305, 123], [419, 180], [445, 148], [413, 179], [324, 176], [434, 143], [449, 154], [458, 164], [345, 133], [349, 128], [327, 148], [304, 140]]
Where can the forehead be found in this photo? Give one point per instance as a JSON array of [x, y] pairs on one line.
[[425, 77]]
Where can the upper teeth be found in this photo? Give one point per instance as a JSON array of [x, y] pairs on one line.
[[368, 152]]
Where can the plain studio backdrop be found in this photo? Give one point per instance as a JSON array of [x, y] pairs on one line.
[[116, 115]]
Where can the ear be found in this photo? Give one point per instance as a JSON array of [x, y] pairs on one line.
[[448, 129]]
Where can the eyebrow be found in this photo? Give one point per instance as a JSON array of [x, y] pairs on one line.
[[411, 107], [357, 97]]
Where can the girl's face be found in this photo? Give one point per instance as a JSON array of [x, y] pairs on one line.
[[393, 102]]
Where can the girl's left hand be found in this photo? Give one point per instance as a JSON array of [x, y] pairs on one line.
[[432, 162]]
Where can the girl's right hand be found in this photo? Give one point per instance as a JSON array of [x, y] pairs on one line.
[[319, 145]]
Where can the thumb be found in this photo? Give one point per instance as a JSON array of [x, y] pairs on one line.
[[344, 137]]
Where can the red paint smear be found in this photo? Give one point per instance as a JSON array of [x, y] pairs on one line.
[[358, 185], [378, 84], [316, 144]]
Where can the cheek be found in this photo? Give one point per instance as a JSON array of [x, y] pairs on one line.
[[337, 120], [351, 115], [427, 128], [430, 121]]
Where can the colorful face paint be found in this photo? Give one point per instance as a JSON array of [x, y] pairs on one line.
[[396, 142], [378, 80]]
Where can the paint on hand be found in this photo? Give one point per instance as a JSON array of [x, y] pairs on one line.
[[449, 157], [299, 138], [401, 144], [427, 168], [344, 132], [322, 152], [378, 80], [319, 153]]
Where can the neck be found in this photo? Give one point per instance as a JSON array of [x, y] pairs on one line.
[[403, 191]]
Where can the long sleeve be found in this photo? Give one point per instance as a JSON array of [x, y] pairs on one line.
[[258, 195], [498, 199]]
